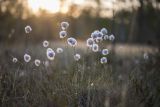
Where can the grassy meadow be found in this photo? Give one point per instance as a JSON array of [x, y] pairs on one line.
[[125, 80]]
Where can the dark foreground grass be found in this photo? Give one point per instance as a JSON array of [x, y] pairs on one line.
[[125, 81]]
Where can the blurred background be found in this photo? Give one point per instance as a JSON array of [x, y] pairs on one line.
[[131, 21]]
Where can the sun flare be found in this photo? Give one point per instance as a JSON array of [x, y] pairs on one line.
[[51, 6]]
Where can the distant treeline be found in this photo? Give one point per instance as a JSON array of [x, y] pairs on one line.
[[141, 25]]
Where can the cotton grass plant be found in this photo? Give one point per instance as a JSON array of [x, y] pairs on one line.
[[66, 76], [62, 75]]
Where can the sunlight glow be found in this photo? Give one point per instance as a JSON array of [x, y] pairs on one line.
[[54, 6], [51, 6], [78, 2]]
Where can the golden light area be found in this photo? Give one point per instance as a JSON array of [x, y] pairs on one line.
[[51, 6], [78, 1]]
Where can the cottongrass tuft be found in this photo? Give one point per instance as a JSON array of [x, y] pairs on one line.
[[100, 34], [97, 36], [90, 42], [95, 48], [64, 25], [72, 41], [111, 37], [50, 54], [104, 31], [105, 51], [59, 50], [27, 58], [14, 60], [62, 34], [37, 62], [94, 34], [106, 37], [103, 60], [45, 43], [28, 29]]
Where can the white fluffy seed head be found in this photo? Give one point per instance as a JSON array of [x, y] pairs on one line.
[[50, 54], [72, 41], [62, 34], [100, 34], [103, 60], [105, 51], [27, 57], [59, 50], [37, 62], [94, 35], [90, 42], [28, 29], [64, 25], [95, 48], [14, 60], [106, 37], [77, 57], [45, 43], [97, 36], [111, 37], [104, 31]]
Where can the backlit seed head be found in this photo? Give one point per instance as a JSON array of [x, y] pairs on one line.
[[99, 37], [106, 37], [50, 54], [14, 60], [103, 60], [37, 62], [100, 34], [62, 34], [104, 31], [90, 42], [95, 48], [111, 37], [94, 35], [28, 29], [27, 57], [64, 25], [77, 57], [45, 43], [72, 41], [59, 50], [105, 51]]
